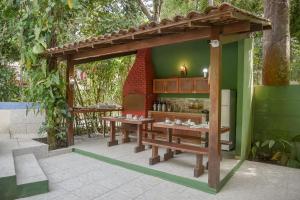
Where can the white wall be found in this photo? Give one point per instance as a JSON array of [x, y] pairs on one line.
[[19, 123]]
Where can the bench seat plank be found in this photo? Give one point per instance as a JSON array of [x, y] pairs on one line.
[[175, 146]]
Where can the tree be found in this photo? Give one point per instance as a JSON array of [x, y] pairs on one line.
[[151, 9], [276, 47]]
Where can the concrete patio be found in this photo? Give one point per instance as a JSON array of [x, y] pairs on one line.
[[181, 165], [73, 176]]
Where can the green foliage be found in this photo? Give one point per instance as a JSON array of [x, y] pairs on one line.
[[40, 25], [295, 59], [295, 20], [9, 90], [105, 81], [280, 151], [106, 16], [48, 88]]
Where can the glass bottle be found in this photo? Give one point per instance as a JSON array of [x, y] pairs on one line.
[[154, 106], [164, 107], [159, 106]]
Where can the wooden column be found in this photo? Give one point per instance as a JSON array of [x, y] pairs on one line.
[[214, 150], [70, 100]]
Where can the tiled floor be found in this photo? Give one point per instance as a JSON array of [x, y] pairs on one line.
[[73, 176], [181, 165]]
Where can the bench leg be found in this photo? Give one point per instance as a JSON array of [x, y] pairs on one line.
[[155, 157], [199, 169], [178, 151], [168, 155]]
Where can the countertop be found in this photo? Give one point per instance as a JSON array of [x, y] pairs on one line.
[[177, 113]]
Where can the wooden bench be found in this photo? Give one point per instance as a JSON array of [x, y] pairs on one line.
[[194, 139], [199, 151]]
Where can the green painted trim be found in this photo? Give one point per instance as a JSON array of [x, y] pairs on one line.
[[8, 187], [30, 189], [163, 175], [229, 175], [152, 172]]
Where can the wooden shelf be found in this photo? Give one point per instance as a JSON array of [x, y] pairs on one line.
[[194, 85]]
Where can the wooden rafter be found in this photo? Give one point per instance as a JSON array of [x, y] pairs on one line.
[[133, 46]]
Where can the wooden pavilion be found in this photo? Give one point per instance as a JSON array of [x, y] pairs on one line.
[[220, 25]]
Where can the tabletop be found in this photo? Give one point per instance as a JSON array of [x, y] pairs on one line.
[[92, 109], [129, 121], [186, 128]]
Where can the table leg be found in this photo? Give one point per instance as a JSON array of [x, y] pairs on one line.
[[155, 157], [169, 153], [199, 168], [112, 136], [206, 139], [206, 146], [104, 128], [125, 134], [139, 133]]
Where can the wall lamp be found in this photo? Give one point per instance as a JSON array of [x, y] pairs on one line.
[[205, 72], [183, 70]]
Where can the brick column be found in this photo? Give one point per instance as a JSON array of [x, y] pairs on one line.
[[139, 81]]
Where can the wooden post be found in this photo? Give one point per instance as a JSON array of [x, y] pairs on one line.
[[214, 150], [70, 100]]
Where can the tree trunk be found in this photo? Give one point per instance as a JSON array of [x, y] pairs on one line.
[[52, 65], [276, 47]]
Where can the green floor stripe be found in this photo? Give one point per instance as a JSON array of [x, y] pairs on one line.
[[229, 175], [152, 172]]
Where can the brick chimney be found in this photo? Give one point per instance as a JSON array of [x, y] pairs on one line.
[[137, 90]]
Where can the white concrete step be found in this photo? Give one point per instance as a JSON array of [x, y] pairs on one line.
[[28, 170], [7, 167]]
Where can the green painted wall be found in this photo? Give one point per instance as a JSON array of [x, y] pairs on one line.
[[244, 98], [195, 56], [277, 112]]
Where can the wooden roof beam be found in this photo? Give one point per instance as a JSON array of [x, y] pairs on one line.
[[78, 62], [225, 39], [135, 45], [238, 27]]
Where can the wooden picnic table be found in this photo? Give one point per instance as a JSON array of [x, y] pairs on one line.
[[170, 145], [139, 130], [102, 111]]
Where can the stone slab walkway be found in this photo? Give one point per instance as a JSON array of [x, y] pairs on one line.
[[73, 176]]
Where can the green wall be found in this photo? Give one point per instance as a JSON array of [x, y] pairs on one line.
[[276, 112], [244, 98], [195, 55]]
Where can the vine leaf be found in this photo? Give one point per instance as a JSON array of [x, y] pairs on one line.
[[70, 4], [38, 48]]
